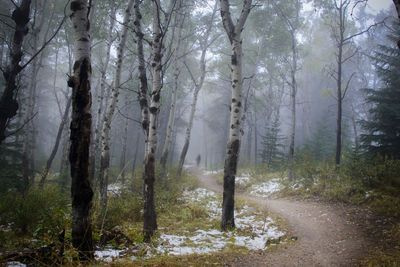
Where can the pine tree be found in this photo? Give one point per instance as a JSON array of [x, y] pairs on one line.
[[272, 146], [383, 129]]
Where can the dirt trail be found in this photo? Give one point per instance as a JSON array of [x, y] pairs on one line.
[[325, 235]]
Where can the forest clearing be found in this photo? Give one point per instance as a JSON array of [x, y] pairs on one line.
[[200, 133]]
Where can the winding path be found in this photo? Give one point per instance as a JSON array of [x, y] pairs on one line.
[[325, 234]]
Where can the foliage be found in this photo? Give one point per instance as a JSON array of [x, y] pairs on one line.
[[374, 182], [271, 151], [383, 128], [11, 159], [39, 213]]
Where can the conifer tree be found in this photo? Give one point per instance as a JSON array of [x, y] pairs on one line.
[[383, 128]]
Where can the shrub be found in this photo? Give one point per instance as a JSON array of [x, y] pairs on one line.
[[40, 212]]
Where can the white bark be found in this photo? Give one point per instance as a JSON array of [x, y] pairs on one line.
[[105, 136], [233, 146], [198, 85], [81, 191], [171, 118], [100, 94]]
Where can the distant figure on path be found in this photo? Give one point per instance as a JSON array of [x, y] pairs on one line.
[[198, 160]]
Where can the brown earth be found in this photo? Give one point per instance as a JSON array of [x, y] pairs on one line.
[[327, 234]]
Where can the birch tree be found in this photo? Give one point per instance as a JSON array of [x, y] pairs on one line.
[[234, 32], [81, 190], [180, 19], [101, 93], [205, 42], [149, 216], [293, 24], [106, 128]]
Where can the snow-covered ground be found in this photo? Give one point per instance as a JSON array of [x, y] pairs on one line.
[[265, 189], [212, 172], [115, 188], [251, 231], [242, 180], [107, 255], [15, 264]]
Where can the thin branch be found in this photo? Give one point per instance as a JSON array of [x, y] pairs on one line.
[[23, 125], [347, 85], [48, 41]]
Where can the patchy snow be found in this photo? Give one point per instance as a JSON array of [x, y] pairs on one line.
[[114, 188], [251, 232], [207, 198], [242, 180], [266, 189], [6, 228], [188, 166], [202, 241], [107, 255], [15, 264], [212, 172]]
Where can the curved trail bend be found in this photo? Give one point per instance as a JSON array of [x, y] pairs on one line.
[[325, 236]]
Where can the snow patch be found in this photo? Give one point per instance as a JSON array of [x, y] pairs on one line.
[[107, 255], [115, 188], [251, 232], [266, 189], [212, 172], [15, 264], [242, 180]]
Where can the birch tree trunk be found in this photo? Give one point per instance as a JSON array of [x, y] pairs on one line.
[[204, 44], [171, 118], [293, 86], [29, 133], [100, 96], [106, 128], [123, 152], [233, 146], [8, 103], [150, 220], [142, 95], [135, 155], [81, 190]]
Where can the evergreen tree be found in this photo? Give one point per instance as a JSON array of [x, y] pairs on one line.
[[272, 147], [383, 129]]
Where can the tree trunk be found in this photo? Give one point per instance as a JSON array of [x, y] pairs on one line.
[[123, 152], [204, 44], [8, 104], [100, 97], [233, 146], [339, 96], [136, 155], [150, 220], [353, 120], [106, 128], [397, 5], [293, 92], [171, 118], [57, 143], [81, 190], [142, 95]]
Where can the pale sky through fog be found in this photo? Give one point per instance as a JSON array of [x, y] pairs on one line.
[[377, 5]]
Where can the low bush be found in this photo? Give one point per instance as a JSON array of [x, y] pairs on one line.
[[40, 214]]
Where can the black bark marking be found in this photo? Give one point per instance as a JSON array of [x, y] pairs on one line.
[[153, 110], [234, 59], [75, 6]]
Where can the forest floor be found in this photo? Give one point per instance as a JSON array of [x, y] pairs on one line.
[[326, 234]]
